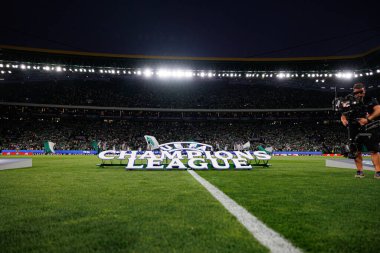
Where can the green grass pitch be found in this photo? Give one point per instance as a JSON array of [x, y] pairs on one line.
[[68, 204]]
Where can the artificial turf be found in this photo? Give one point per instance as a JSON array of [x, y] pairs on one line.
[[67, 204]]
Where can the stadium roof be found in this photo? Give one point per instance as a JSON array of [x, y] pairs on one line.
[[21, 64], [364, 61]]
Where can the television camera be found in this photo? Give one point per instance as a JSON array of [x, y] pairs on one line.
[[354, 109]]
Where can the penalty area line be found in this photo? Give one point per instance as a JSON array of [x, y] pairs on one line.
[[266, 236]]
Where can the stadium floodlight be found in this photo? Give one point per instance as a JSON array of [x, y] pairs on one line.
[[188, 73], [58, 69], [148, 73], [323, 80], [202, 74], [22, 66], [371, 73], [162, 73], [1, 65], [101, 71], [2, 72], [317, 81], [347, 75], [378, 71], [281, 75], [139, 72], [10, 72], [28, 67], [7, 65], [177, 73], [47, 68]]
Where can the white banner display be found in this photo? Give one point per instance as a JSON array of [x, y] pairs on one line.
[[182, 156]]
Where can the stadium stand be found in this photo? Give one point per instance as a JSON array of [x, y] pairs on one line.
[[154, 94], [78, 134], [74, 99]]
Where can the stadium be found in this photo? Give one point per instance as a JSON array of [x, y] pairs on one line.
[[88, 103]]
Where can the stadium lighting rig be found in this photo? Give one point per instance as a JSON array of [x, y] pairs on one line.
[[175, 73]]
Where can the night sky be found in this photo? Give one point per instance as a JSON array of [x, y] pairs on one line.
[[195, 28]]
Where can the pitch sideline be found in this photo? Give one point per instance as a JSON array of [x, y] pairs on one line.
[[266, 236]]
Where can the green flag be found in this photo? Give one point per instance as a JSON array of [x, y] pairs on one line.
[[49, 147], [268, 150], [152, 142], [95, 146]]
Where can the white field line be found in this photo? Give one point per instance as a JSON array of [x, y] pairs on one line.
[[266, 236]]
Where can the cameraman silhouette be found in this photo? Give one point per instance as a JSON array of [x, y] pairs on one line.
[[356, 124]]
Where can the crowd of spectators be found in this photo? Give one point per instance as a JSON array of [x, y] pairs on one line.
[[121, 134], [27, 127], [209, 94]]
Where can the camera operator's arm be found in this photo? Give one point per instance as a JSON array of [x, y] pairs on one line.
[[344, 120], [374, 115]]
